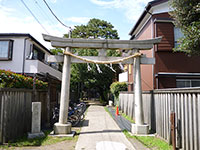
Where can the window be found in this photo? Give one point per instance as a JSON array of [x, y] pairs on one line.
[[177, 35], [38, 54], [181, 83], [6, 47]]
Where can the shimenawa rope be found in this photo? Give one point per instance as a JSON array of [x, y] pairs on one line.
[[102, 62]]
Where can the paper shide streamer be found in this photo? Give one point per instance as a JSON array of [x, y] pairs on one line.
[[121, 66], [98, 68], [88, 67]]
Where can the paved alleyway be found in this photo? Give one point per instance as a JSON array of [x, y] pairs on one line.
[[100, 132]]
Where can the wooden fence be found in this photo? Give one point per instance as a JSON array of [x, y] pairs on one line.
[[157, 106], [15, 112]]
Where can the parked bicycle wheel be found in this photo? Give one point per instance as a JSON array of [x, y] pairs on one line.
[[74, 120]]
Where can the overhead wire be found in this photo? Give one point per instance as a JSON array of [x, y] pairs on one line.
[[34, 16], [55, 15], [43, 12]]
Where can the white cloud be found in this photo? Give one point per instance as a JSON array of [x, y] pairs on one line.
[[81, 20], [11, 24], [53, 1], [132, 8], [105, 3]]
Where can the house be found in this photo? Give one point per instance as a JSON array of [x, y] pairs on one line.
[[171, 69], [22, 53]]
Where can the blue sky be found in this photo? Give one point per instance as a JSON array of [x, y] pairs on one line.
[[15, 18]]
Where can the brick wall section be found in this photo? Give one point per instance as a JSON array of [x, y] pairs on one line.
[[166, 59], [166, 82], [166, 30]]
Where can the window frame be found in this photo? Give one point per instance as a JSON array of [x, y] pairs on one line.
[[186, 80], [39, 53], [9, 49], [177, 37]]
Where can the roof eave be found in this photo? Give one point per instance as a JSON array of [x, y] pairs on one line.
[[146, 10], [25, 35]]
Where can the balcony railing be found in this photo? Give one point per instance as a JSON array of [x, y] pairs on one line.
[[37, 66]]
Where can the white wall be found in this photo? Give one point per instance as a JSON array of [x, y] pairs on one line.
[[161, 8], [36, 66], [30, 66], [15, 64], [123, 77]]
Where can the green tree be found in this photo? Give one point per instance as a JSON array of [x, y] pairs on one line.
[[186, 14], [92, 79], [116, 87], [56, 51]]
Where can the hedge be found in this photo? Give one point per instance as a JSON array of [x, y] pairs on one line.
[[10, 79], [116, 87]]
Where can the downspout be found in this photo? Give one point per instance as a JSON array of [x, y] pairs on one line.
[[23, 65]]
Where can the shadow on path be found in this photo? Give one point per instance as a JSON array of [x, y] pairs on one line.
[[103, 131]]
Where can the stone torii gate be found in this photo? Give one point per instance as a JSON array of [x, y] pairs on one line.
[[134, 57]]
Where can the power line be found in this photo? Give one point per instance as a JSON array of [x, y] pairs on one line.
[[34, 16], [42, 11], [56, 16]]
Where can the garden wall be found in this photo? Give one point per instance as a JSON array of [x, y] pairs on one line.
[[157, 106], [15, 112]]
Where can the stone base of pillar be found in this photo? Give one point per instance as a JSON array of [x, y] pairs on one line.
[[35, 135], [140, 129], [62, 128]]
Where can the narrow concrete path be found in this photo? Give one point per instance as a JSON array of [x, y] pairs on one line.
[[100, 132]]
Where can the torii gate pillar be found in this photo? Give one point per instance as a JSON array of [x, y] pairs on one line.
[[139, 127], [64, 127]]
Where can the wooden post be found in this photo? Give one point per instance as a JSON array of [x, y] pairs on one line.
[[63, 127], [64, 100], [139, 116], [139, 127], [34, 88], [173, 129], [48, 100], [1, 117]]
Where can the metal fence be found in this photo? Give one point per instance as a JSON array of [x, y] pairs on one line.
[[157, 106], [15, 112]]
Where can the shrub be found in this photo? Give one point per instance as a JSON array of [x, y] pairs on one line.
[[10, 79], [116, 87]]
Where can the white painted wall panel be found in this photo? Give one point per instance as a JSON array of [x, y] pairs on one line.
[[15, 64], [36, 66], [123, 77], [161, 8]]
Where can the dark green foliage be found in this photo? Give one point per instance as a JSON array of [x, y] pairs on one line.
[[80, 76], [186, 14], [116, 87], [95, 28], [56, 51], [10, 79]]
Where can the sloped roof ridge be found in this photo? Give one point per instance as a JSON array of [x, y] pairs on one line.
[[147, 8]]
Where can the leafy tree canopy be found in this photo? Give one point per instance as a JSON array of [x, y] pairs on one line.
[[92, 79], [186, 14]]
